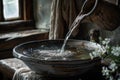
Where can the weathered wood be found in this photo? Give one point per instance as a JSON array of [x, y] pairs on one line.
[[9, 41], [106, 16], [28, 10], [12, 43], [17, 25], [6, 54], [1, 11]]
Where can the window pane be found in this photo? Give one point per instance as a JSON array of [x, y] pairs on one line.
[[11, 9]]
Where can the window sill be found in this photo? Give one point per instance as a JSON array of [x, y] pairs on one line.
[[21, 34], [10, 40], [15, 22], [18, 25]]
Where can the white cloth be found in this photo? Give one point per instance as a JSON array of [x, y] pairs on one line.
[[25, 74]]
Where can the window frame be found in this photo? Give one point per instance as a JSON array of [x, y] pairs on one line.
[[25, 22]]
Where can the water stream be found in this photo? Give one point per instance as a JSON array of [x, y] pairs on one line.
[[76, 22]]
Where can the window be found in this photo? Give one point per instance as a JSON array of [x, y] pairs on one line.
[[16, 15], [11, 9]]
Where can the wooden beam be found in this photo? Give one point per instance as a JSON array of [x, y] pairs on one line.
[[1, 11]]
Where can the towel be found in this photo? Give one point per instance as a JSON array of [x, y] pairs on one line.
[[26, 74]]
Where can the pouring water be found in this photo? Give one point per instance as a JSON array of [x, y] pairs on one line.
[[76, 22]]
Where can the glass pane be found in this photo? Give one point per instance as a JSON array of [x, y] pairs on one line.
[[11, 9]]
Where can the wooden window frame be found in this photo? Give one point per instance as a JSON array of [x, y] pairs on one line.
[[25, 22]]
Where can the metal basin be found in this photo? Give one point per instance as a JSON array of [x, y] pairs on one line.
[[56, 67]]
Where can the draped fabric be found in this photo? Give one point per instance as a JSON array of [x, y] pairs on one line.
[[26, 74], [62, 15]]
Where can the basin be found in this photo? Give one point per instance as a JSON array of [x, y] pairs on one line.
[[30, 53]]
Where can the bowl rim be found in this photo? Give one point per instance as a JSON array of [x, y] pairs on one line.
[[25, 58]]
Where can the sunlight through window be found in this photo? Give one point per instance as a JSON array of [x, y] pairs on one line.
[[11, 9]]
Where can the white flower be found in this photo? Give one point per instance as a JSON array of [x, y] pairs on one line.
[[96, 53], [116, 51], [113, 66], [106, 41], [105, 71], [111, 78]]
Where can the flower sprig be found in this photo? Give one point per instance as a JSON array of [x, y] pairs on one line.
[[112, 70]]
